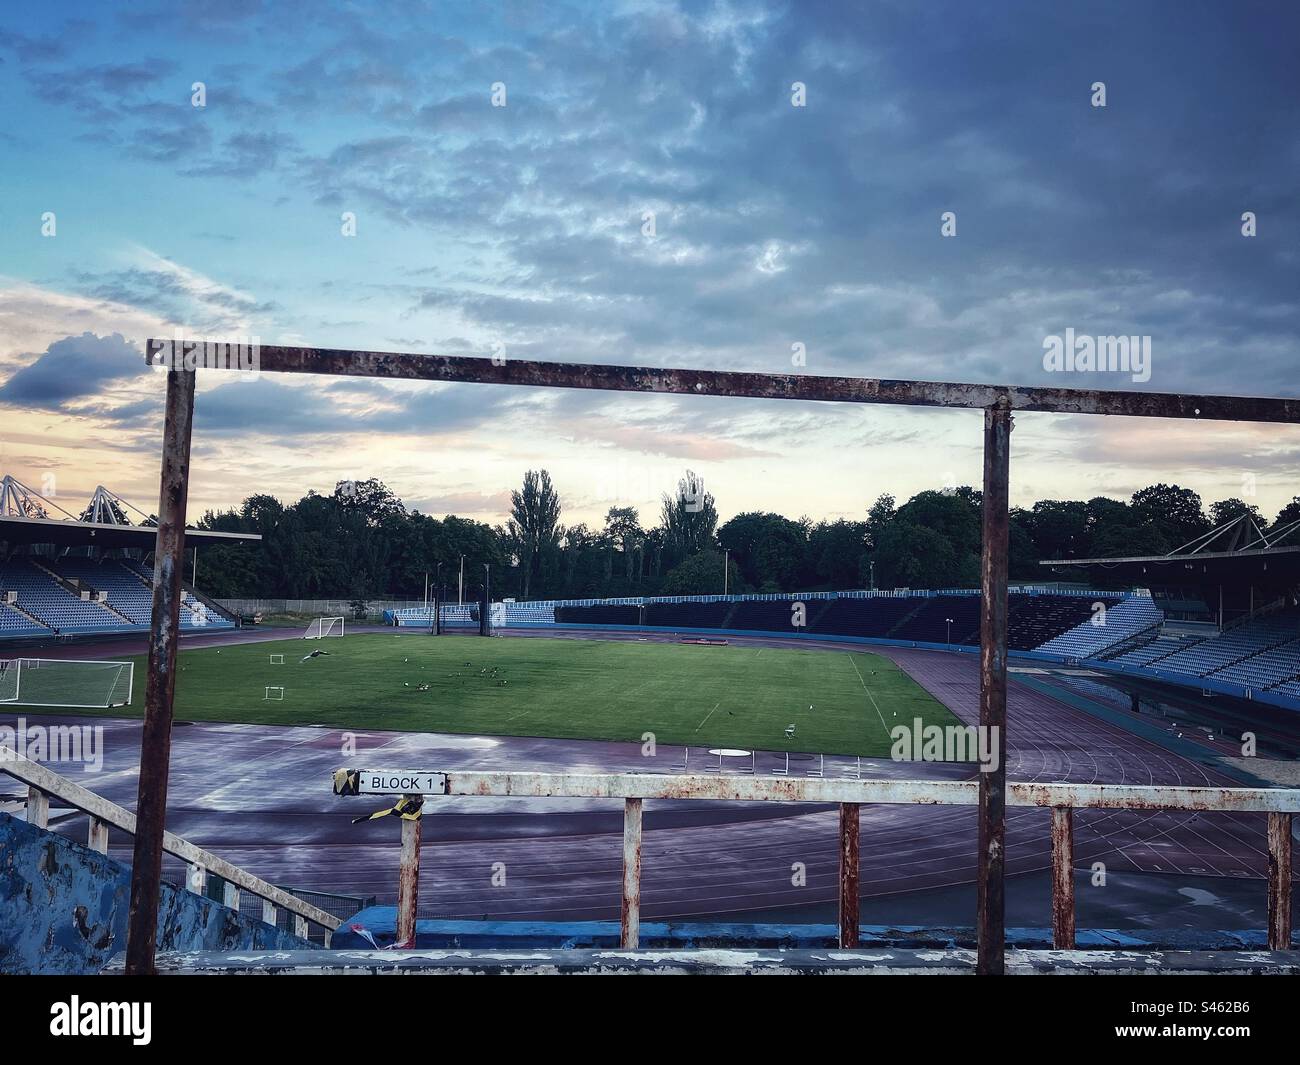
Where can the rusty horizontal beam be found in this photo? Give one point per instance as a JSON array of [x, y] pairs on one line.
[[275, 358], [824, 790]]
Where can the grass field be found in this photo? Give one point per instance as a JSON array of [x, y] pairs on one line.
[[839, 702]]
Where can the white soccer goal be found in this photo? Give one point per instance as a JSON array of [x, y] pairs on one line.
[[66, 682], [322, 627]]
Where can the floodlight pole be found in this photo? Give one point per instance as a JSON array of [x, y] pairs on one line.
[[160, 682], [436, 627], [990, 904]]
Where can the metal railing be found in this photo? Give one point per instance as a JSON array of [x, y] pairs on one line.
[[44, 784], [1280, 804]]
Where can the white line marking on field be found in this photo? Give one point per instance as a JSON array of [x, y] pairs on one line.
[[868, 691], [706, 717]]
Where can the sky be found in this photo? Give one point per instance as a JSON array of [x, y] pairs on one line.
[[877, 189]]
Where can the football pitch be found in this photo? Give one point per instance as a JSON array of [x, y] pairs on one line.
[[839, 702]]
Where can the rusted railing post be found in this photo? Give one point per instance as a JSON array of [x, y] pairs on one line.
[[1279, 881], [408, 881], [630, 915], [97, 835], [850, 823], [991, 861], [38, 808], [160, 687], [1062, 878]]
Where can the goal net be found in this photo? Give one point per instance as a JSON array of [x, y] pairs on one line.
[[72, 683], [322, 627]]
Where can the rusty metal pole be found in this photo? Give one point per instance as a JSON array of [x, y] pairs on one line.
[[160, 685], [991, 861], [850, 823], [1062, 878], [1279, 881], [408, 882], [630, 915]]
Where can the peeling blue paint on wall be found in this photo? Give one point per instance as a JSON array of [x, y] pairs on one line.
[[63, 909]]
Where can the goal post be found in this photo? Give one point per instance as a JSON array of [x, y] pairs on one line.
[[322, 627], [66, 682]]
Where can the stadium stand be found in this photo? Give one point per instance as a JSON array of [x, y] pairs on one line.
[[599, 614], [126, 592], [768, 615], [1241, 642], [872, 617], [929, 624], [44, 598], [1037, 618], [120, 599], [195, 614], [693, 615], [14, 624], [1145, 650], [1123, 621], [530, 614], [455, 616], [1263, 670]]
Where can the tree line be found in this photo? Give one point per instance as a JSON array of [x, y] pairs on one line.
[[361, 542]]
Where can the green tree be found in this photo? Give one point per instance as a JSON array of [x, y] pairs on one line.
[[836, 551], [1225, 510], [702, 574], [768, 549], [623, 530], [688, 519], [914, 556], [1175, 513], [1288, 514], [534, 529]]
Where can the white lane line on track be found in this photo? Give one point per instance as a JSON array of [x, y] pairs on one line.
[[707, 716]]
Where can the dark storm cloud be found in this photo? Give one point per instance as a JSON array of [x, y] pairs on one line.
[[71, 369]]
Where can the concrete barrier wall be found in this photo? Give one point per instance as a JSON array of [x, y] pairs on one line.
[[63, 909]]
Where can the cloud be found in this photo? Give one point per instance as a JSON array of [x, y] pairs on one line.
[[177, 293], [775, 225], [72, 369]]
